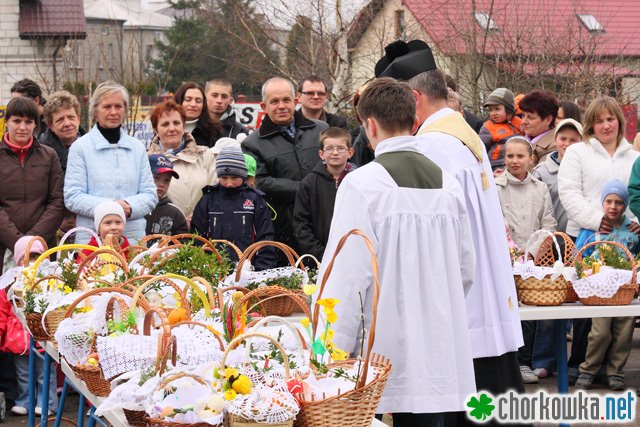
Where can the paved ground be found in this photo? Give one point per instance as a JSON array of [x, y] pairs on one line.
[[549, 384]]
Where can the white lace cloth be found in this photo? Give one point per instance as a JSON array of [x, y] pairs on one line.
[[603, 284], [269, 401], [195, 346], [247, 276], [126, 393], [185, 392], [327, 386], [126, 353], [529, 269]]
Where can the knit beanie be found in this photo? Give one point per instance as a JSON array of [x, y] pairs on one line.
[[616, 187], [223, 143], [252, 165], [230, 162], [502, 96], [108, 207], [21, 247]]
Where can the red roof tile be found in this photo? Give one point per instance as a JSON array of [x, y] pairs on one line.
[[537, 27], [52, 18]]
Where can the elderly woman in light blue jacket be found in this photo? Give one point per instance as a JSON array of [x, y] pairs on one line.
[[108, 164]]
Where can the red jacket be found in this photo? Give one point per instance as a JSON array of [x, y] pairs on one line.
[[13, 337], [124, 244]]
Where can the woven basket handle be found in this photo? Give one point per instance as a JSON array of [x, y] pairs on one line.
[[35, 283], [299, 261], [110, 311], [235, 248], [237, 340], [161, 238], [568, 243], [376, 294], [171, 350], [163, 278], [56, 249], [535, 236], [27, 251], [173, 377], [104, 251], [634, 267], [176, 240], [220, 293], [164, 338], [207, 286], [266, 293], [277, 319], [75, 230], [98, 291], [251, 250], [213, 332]]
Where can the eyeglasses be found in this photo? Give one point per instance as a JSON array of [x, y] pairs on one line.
[[314, 93], [340, 150]]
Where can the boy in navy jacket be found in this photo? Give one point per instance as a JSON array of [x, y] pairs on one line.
[[233, 211]]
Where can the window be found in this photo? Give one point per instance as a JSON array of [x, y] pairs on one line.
[[485, 21], [401, 24], [591, 23], [105, 30], [110, 53]]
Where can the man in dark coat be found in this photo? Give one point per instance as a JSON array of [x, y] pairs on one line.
[[313, 96], [286, 150]]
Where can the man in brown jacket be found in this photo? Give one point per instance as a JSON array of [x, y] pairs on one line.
[[31, 201]]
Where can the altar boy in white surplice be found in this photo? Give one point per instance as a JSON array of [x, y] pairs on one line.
[[415, 215]]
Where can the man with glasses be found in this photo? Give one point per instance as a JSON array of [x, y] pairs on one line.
[[313, 96], [316, 196], [286, 150]]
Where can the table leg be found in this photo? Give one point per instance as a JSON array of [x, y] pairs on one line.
[[63, 398], [560, 334], [46, 382], [32, 384], [81, 410]]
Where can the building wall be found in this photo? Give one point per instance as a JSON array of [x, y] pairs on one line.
[[21, 58]]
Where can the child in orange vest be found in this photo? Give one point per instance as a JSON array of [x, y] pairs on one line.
[[502, 125]]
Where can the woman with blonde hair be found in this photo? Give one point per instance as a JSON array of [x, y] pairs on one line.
[[586, 167], [107, 164]]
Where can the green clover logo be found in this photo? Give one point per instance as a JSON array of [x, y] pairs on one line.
[[481, 409]]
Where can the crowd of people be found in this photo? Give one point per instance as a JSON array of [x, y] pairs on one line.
[[439, 193]]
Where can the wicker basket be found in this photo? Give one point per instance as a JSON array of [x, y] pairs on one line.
[[626, 292], [545, 258], [546, 291], [156, 422], [232, 420], [272, 303], [357, 407], [571, 293], [276, 301], [92, 375], [51, 321]]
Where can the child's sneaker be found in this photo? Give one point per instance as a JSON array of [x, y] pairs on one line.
[[19, 410], [616, 383], [585, 381], [541, 372], [528, 377]]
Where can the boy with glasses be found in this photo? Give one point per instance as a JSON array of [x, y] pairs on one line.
[[316, 195]]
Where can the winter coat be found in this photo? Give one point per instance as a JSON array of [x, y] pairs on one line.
[[547, 172], [584, 170], [334, 120], [239, 215], [362, 151], [281, 165], [124, 244], [527, 208], [472, 120], [31, 200], [166, 219], [313, 210], [495, 135], [545, 145], [13, 337], [231, 127], [196, 166], [50, 139], [620, 234], [99, 171]]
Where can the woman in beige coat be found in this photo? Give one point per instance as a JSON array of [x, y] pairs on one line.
[[194, 163]]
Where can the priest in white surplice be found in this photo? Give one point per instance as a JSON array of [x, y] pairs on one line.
[[446, 139], [415, 215]]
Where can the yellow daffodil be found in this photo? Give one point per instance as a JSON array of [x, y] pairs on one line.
[[230, 394], [242, 385], [310, 289], [329, 335], [67, 289], [305, 322], [332, 316], [328, 303], [230, 372], [337, 354]]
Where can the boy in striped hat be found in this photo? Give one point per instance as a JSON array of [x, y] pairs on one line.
[[233, 211]]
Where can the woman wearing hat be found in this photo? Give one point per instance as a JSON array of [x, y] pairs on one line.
[[194, 163], [108, 164]]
